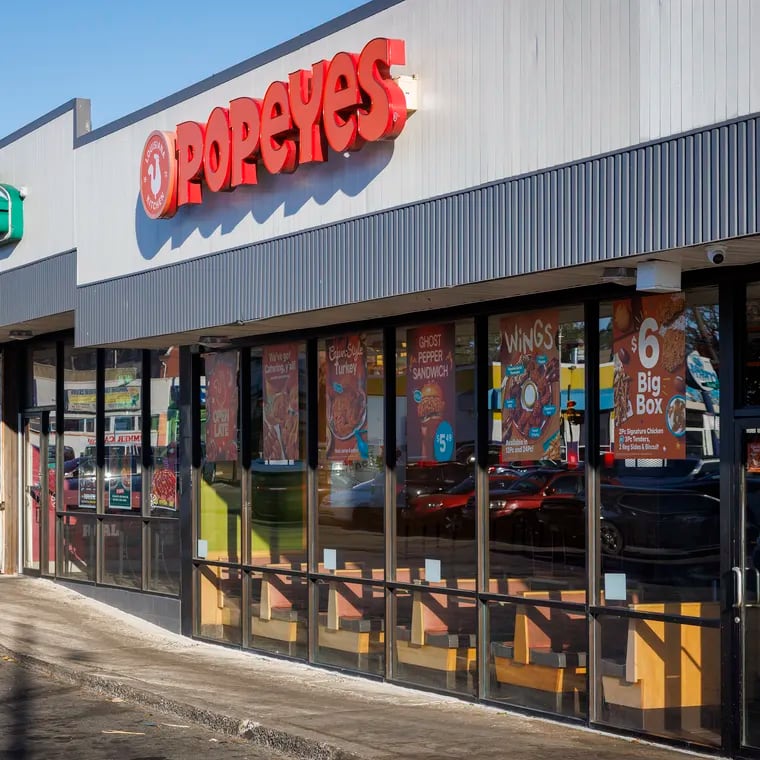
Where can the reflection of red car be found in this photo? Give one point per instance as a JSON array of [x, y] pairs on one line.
[[445, 509], [511, 509], [529, 491]]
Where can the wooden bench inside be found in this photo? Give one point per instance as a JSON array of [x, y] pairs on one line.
[[355, 613], [433, 640], [666, 666], [548, 651]]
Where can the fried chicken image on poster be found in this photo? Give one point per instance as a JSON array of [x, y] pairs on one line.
[[221, 407], [281, 409], [346, 398], [530, 386], [431, 393], [649, 370]]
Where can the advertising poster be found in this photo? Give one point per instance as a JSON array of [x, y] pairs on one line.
[[281, 410], [221, 407], [530, 408], [346, 398], [82, 400], [120, 479], [87, 491], [753, 455], [431, 393], [163, 489], [649, 387]]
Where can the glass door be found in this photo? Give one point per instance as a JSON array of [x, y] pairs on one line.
[[38, 472], [746, 597]]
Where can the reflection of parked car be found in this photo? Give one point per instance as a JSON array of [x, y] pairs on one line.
[[445, 509], [651, 521], [465, 453], [637, 521], [359, 507], [510, 509], [422, 477]]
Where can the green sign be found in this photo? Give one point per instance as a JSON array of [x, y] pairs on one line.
[[11, 214]]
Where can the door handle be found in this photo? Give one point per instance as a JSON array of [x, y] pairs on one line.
[[738, 587]]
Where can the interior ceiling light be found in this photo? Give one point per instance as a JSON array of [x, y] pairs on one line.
[[619, 275]]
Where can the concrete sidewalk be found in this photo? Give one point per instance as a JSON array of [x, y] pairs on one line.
[[293, 708]]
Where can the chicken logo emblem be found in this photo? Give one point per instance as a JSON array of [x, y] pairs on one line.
[[158, 175]]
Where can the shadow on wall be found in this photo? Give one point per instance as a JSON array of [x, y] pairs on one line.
[[222, 212], [6, 251]]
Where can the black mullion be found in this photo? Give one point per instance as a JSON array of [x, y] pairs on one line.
[[189, 459], [592, 394], [731, 300], [391, 478]]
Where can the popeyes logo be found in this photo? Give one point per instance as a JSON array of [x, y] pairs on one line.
[[343, 103]]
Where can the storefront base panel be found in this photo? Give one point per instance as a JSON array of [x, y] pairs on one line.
[[160, 610]]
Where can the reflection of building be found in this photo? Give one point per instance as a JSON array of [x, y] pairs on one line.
[[460, 218]]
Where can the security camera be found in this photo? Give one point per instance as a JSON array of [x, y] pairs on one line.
[[716, 255], [23, 192]]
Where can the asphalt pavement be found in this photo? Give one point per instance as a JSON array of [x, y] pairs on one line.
[[45, 719], [277, 705]]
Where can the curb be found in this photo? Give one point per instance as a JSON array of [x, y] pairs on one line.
[[292, 745]]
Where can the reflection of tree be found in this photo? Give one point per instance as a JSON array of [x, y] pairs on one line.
[[570, 338], [702, 332]]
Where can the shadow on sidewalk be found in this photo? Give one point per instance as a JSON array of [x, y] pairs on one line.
[[19, 704]]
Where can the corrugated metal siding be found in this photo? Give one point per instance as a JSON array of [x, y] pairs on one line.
[[694, 188], [37, 290]]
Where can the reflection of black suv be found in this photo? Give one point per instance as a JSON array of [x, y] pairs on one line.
[[465, 453], [419, 478]]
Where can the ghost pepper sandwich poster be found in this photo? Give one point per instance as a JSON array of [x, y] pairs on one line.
[[649, 370], [281, 404], [221, 407], [346, 398], [530, 386], [431, 393]]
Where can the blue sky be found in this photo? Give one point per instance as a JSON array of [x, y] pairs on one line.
[[126, 55]]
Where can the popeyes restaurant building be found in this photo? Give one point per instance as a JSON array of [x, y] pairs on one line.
[[421, 346]]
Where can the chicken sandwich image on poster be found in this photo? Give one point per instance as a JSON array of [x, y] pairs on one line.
[[649, 387], [530, 386], [431, 393]]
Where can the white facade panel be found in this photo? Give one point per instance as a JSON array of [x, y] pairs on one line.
[[506, 87], [43, 162]]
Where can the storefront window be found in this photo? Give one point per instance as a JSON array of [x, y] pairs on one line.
[[164, 432], [218, 590], [78, 542], [659, 521], [163, 535], [435, 426], [660, 495], [351, 468], [351, 502], [435, 534], [122, 485], [279, 613], [220, 488], [538, 654], [278, 456], [661, 677], [122, 551], [41, 383], [537, 495], [436, 639], [751, 376]]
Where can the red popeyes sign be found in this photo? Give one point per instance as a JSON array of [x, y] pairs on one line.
[[343, 103]]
